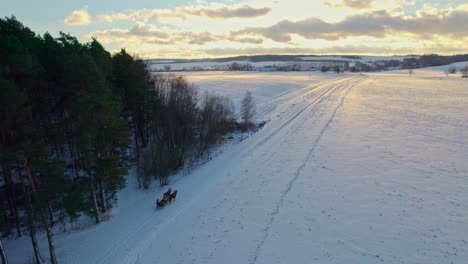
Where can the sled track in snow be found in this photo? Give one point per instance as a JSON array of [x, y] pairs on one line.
[[297, 114], [271, 103], [284, 193], [320, 92], [152, 224], [148, 225]]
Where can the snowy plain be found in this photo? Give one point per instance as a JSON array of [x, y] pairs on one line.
[[314, 61], [350, 168]]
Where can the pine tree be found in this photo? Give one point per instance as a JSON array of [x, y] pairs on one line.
[[132, 84], [62, 136]]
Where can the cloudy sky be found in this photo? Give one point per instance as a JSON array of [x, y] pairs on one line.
[[200, 29]]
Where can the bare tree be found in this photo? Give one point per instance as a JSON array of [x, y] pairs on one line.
[[464, 71], [248, 108], [452, 69], [216, 116], [2, 254], [235, 66]]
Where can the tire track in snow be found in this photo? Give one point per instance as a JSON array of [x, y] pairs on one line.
[[298, 172]]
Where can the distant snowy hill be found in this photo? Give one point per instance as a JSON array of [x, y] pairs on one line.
[[266, 62]]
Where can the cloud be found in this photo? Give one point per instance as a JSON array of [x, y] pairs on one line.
[[348, 49], [384, 27], [225, 12], [388, 49], [214, 12], [78, 17], [196, 38], [246, 40], [378, 24], [148, 30], [150, 34], [356, 4], [110, 17]]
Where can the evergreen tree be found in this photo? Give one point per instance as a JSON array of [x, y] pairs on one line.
[[62, 136], [132, 83]]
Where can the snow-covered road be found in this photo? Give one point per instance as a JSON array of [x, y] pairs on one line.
[[231, 221], [226, 209], [349, 169]]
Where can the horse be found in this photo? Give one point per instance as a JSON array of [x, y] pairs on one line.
[[172, 196], [167, 195]]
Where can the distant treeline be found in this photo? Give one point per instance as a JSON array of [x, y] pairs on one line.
[[390, 63], [269, 57], [259, 58], [74, 118], [432, 60]]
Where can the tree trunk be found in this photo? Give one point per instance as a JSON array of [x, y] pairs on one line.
[[95, 205], [137, 147], [103, 197], [45, 223], [50, 240], [37, 253], [11, 197], [8, 191], [73, 158], [17, 222], [3, 254], [63, 219], [50, 234], [51, 213], [32, 229], [142, 136]]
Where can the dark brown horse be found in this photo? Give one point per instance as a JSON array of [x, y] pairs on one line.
[[167, 195], [172, 196]]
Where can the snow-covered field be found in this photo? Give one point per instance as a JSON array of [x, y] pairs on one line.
[[311, 61], [349, 169], [304, 62], [214, 65], [429, 72], [363, 59]]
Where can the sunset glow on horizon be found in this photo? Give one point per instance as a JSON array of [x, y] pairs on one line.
[[205, 29]]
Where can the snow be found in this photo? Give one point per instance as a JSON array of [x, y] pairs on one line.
[[192, 65], [307, 62], [427, 73], [268, 89], [211, 65], [350, 169], [363, 59]]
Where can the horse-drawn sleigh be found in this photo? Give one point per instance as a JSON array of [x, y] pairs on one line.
[[168, 197]]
